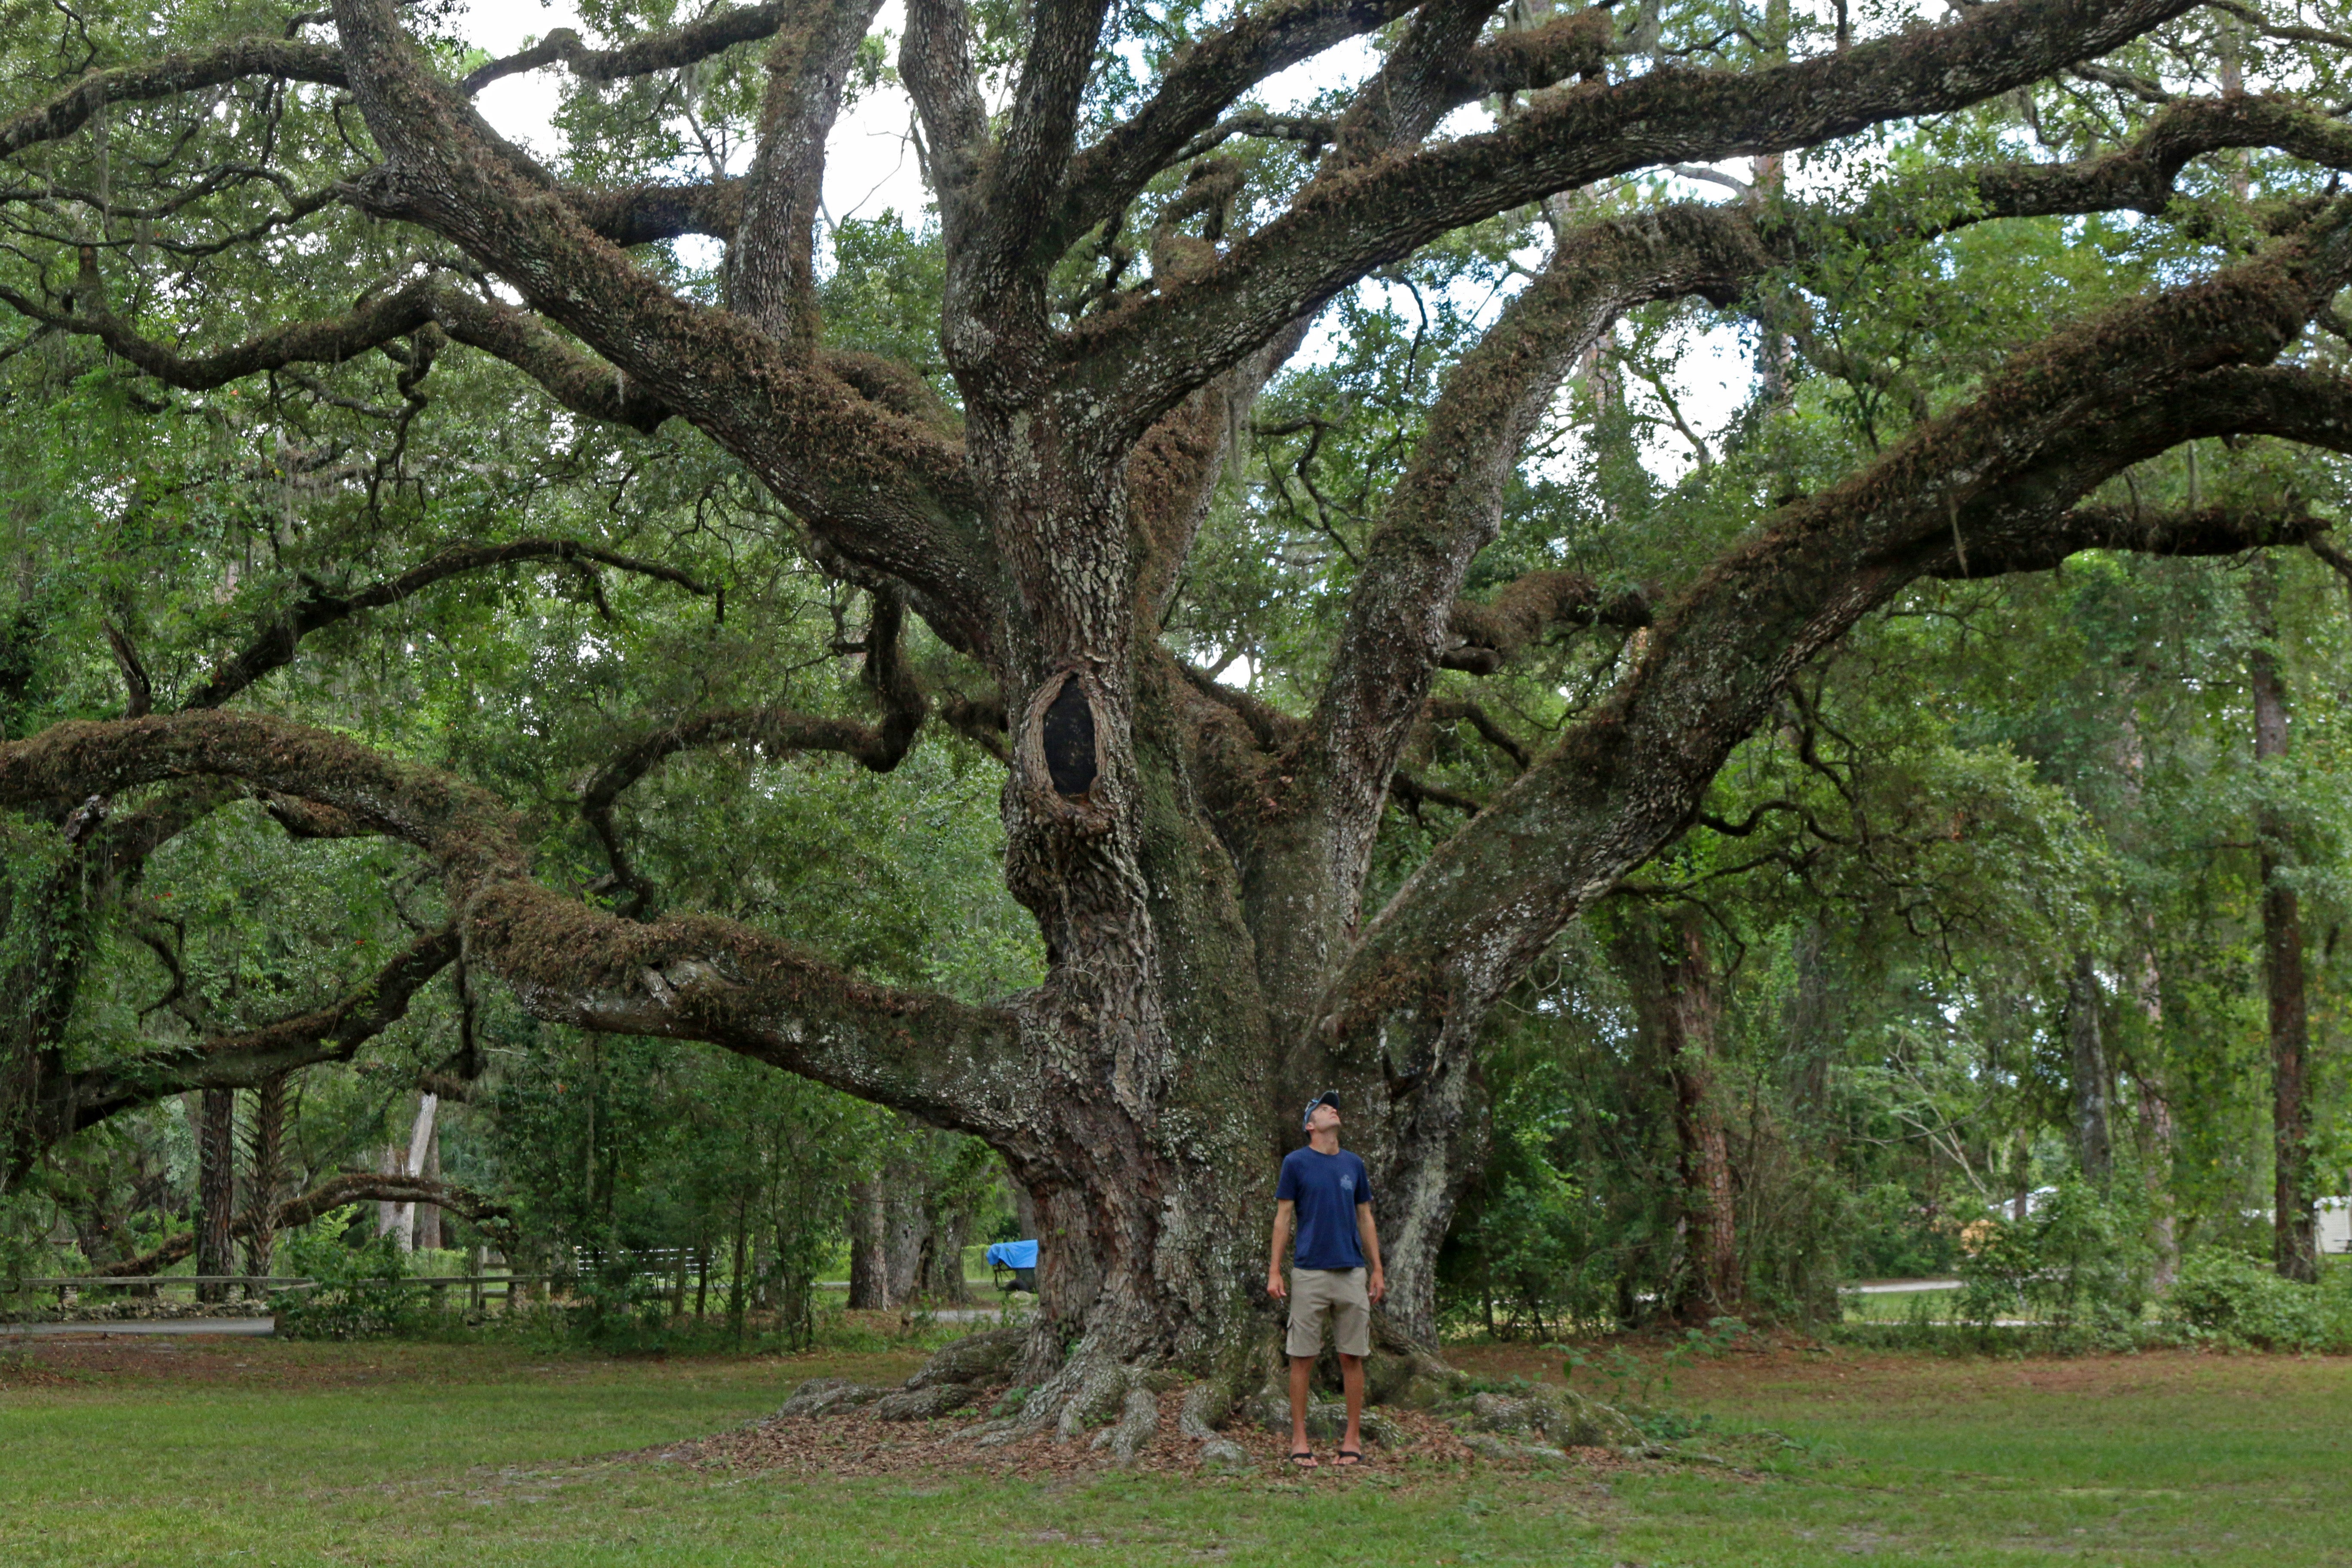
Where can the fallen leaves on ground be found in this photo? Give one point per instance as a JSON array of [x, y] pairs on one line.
[[857, 1443]]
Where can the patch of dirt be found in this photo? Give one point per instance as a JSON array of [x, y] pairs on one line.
[[1803, 1369], [24, 1372], [856, 1443]]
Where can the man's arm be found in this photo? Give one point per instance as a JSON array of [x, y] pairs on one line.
[[1273, 1283], [1377, 1285]]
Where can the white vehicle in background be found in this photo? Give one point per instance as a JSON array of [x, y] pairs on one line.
[[2335, 1216], [2334, 1224]]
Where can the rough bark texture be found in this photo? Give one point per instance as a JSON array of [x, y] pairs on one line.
[[266, 1155], [1196, 861], [215, 1188]]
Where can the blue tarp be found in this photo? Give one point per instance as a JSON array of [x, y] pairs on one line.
[[1013, 1254]]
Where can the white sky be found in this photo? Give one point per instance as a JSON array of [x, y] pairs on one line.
[[870, 167]]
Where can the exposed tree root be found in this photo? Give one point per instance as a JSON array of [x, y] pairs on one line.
[[1120, 1405]]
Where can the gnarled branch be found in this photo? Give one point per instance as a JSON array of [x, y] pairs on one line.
[[951, 1064], [1150, 355], [351, 1187], [890, 492], [188, 71], [777, 732], [714, 33], [279, 640]]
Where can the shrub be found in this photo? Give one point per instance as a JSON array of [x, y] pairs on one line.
[[2079, 1262], [362, 1290], [2227, 1296]]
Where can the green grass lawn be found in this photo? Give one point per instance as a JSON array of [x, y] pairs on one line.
[[267, 1453], [1908, 1306]]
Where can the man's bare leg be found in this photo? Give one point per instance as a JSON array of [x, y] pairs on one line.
[[1302, 1367], [1352, 1382]]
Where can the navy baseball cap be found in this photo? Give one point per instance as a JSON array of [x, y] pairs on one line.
[[1327, 1097]]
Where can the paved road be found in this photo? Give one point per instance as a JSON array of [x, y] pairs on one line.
[[250, 1328], [1898, 1286]]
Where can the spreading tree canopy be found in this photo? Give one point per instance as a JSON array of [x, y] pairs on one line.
[[349, 341]]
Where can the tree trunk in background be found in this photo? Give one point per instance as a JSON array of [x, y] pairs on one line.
[[215, 1189], [1808, 1025], [2295, 1243], [941, 1279], [2094, 1143], [2152, 1134], [264, 1146], [907, 1226], [1671, 973], [869, 1268], [412, 1162], [2020, 1166], [428, 1215]]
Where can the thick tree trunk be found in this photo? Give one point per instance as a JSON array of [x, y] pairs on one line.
[[265, 1161], [2093, 1139], [2295, 1245], [215, 1189]]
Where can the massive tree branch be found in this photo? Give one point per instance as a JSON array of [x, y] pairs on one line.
[[1996, 479], [714, 33], [1199, 87], [2209, 531], [684, 978], [774, 264], [889, 491], [1151, 353], [1403, 620], [276, 645], [649, 212], [935, 62], [1490, 635], [575, 379], [1041, 128], [63, 1102]]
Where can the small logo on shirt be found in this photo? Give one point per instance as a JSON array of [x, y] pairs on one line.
[[1347, 1183]]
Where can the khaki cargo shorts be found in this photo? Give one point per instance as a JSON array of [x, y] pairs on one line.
[[1338, 1294]]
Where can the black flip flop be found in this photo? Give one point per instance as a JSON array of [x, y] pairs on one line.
[[1349, 1459], [1307, 1455]]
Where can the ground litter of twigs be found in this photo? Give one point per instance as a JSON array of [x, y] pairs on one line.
[[854, 1443]]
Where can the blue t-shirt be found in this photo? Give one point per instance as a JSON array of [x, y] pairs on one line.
[[1327, 1188]]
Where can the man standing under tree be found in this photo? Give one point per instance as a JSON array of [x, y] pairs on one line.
[[1330, 1195]]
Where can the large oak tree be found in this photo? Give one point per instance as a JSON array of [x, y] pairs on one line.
[[1119, 289]]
